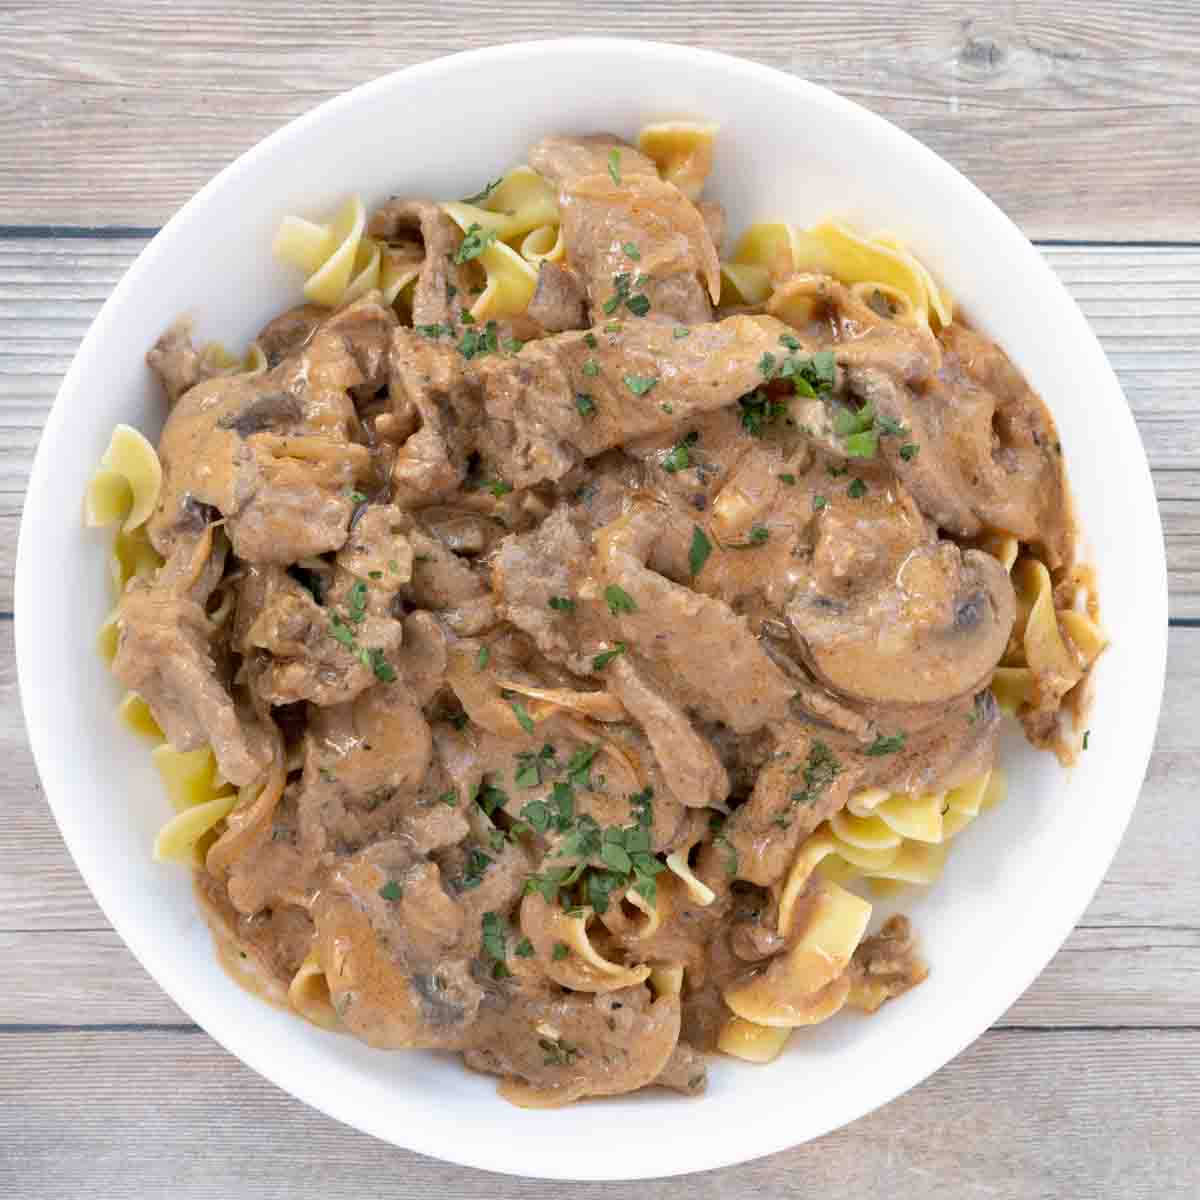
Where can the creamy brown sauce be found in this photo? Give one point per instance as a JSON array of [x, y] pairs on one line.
[[510, 629]]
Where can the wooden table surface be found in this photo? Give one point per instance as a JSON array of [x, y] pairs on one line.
[[1082, 119]]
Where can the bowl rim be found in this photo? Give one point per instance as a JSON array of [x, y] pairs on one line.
[[758, 1138]]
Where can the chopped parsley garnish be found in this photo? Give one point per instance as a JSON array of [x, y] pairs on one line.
[[681, 331], [861, 445], [524, 948], [759, 534], [1087, 733], [909, 451], [513, 345], [614, 165], [391, 890], [560, 1053], [384, 671], [758, 409], [475, 241], [836, 471], [632, 251], [602, 659], [342, 633], [589, 340], [488, 189], [788, 478], [482, 658], [820, 769], [639, 385], [478, 342], [357, 602], [790, 341], [678, 458], [639, 305], [819, 502], [857, 489], [620, 293], [357, 498], [882, 745], [561, 603], [449, 798], [579, 766], [591, 368], [498, 487], [701, 548], [889, 426], [641, 804], [522, 714], [473, 872], [489, 797], [467, 317], [560, 951], [618, 600], [494, 942], [528, 774], [766, 364], [374, 574], [433, 331], [585, 405]]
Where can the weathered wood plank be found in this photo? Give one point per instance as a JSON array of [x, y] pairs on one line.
[[1143, 302], [1108, 976], [1081, 118], [1038, 1116]]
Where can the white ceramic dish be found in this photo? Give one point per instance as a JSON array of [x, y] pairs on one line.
[[1015, 885]]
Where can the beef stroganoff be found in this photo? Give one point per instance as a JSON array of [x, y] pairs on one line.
[[556, 636]]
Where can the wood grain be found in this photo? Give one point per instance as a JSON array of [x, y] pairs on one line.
[[1080, 118], [1021, 1114], [1144, 304]]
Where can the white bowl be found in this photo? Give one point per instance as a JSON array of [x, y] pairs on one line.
[[1015, 885]]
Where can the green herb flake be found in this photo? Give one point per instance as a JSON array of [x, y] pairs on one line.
[[821, 768], [639, 385], [891, 744], [639, 305], [819, 502], [591, 368], [498, 487], [513, 345], [857, 489], [759, 534], [788, 478], [383, 670], [589, 340], [766, 364], [488, 189], [475, 241], [681, 331], [700, 549], [391, 890], [618, 600], [483, 658], [433, 332], [561, 603], [1087, 733], [585, 405], [476, 343], [909, 451], [494, 944], [614, 165], [560, 951], [790, 341], [449, 798], [522, 714], [602, 659]]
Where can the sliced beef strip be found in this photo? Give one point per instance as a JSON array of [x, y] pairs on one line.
[[273, 453], [442, 289], [177, 363], [166, 653], [436, 382], [290, 332], [530, 570], [559, 301], [443, 583], [645, 381]]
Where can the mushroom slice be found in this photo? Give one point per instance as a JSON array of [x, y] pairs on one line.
[[932, 634]]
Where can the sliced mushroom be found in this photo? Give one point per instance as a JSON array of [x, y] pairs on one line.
[[932, 634]]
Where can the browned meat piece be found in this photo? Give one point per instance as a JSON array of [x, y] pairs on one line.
[[686, 1071], [536, 576], [443, 287], [443, 583], [365, 327], [885, 965], [434, 380], [290, 332], [695, 648], [691, 766], [611, 198], [637, 379], [177, 363], [273, 452], [565, 159], [165, 653], [559, 302], [589, 1045]]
